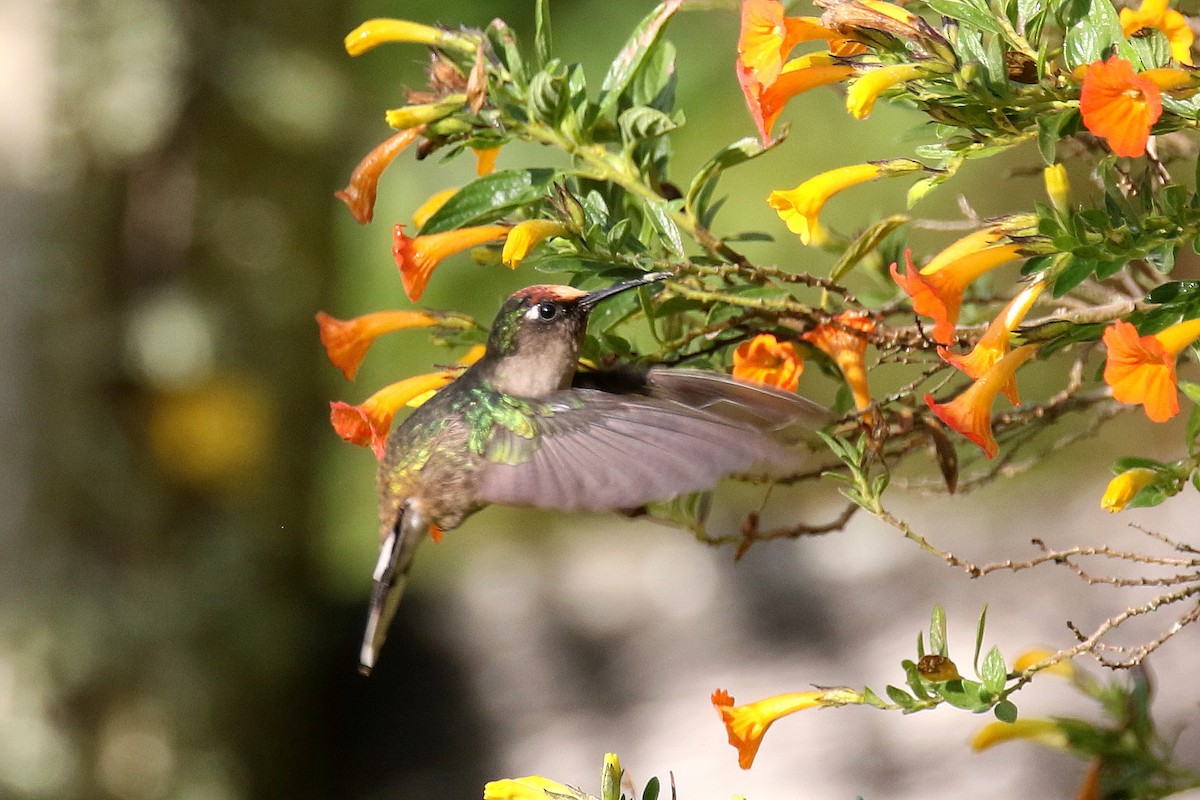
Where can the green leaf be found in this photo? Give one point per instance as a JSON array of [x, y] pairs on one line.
[[1077, 271], [900, 697], [1005, 711], [731, 155], [504, 45], [610, 780], [1192, 390], [490, 198], [1050, 128], [625, 66], [994, 674], [689, 511], [937, 632], [1152, 49], [659, 215], [651, 790], [866, 243], [643, 122], [965, 694], [979, 639], [541, 31], [1089, 38], [969, 11], [912, 676], [1175, 290]]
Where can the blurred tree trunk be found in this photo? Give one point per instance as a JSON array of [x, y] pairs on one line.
[[160, 377]]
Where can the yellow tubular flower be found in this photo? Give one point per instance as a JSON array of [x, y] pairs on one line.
[[863, 92], [1042, 731], [1124, 487], [1031, 657], [1156, 14], [532, 787], [527, 235], [375, 32], [1058, 187], [800, 207], [432, 206], [425, 113]]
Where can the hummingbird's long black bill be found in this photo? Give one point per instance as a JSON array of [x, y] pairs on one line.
[[592, 298]]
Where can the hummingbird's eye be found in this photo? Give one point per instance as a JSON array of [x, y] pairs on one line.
[[547, 310]]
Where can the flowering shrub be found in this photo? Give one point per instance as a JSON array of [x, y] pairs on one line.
[[1073, 282]]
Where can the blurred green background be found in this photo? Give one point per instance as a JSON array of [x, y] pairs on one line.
[[187, 545]]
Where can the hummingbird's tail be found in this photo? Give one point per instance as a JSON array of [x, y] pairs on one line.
[[391, 574]]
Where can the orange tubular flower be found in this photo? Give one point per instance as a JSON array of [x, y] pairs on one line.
[[1141, 369], [485, 160], [368, 423], [359, 194], [766, 360], [1119, 105], [993, 345], [1155, 14], [937, 289], [847, 350], [971, 412], [347, 341], [766, 101], [746, 724], [418, 256]]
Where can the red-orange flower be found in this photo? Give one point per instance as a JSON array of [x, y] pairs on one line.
[[971, 412], [994, 344], [347, 341], [767, 37], [1119, 105], [368, 423], [746, 724], [766, 360], [418, 256], [937, 289], [1141, 369], [847, 350], [766, 100], [359, 194]]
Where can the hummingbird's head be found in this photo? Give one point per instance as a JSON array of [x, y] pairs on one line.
[[535, 339]]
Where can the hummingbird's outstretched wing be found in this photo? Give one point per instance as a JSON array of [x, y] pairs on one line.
[[391, 573], [649, 438]]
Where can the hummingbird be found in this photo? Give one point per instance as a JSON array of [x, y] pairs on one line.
[[523, 426]]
